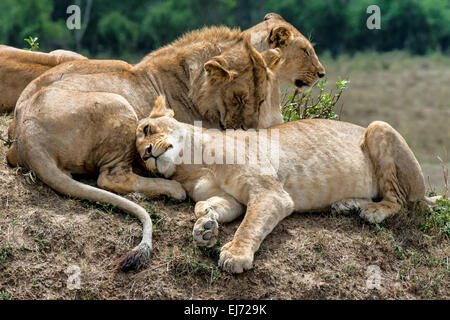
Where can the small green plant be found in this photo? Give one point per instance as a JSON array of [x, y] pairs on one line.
[[43, 243], [296, 107], [399, 251], [35, 283], [213, 253], [188, 265], [438, 218], [100, 206], [32, 42], [5, 254], [5, 295]]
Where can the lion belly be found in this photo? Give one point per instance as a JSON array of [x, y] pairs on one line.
[[324, 163]]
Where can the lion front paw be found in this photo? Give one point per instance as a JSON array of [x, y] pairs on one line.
[[235, 261], [205, 232], [176, 191]]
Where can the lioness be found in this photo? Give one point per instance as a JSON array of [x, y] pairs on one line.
[[81, 117], [300, 65], [312, 165], [19, 67]]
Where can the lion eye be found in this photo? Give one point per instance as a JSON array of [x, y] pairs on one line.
[[146, 129], [239, 100], [306, 52]]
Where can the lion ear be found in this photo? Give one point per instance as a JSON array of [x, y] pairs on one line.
[[256, 57], [273, 15], [279, 37], [160, 109], [272, 58], [215, 70]]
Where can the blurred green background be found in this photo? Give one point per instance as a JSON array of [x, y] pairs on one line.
[[132, 28]]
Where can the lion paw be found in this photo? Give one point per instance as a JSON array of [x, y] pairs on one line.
[[176, 191], [205, 232], [374, 212], [234, 262], [345, 207]]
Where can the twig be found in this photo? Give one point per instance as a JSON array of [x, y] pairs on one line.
[[445, 173]]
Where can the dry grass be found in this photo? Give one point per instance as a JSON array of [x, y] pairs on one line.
[[308, 256]]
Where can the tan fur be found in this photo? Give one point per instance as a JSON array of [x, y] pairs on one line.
[[19, 67], [322, 164], [81, 116], [298, 65], [298, 58], [295, 66]]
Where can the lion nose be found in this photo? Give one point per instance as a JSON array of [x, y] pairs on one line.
[[148, 153], [321, 74]]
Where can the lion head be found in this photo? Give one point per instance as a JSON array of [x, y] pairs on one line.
[[299, 63], [236, 85], [159, 139]]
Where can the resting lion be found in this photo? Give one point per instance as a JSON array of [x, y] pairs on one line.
[[299, 64], [301, 166], [19, 67], [81, 117]]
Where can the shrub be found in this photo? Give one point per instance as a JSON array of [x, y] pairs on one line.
[[439, 218], [295, 107]]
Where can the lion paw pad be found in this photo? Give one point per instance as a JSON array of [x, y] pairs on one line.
[[205, 232]]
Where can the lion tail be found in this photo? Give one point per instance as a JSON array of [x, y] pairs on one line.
[[46, 169]]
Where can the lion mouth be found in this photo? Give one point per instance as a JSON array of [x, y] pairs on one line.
[[147, 154], [299, 83]]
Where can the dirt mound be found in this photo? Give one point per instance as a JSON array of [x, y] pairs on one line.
[[308, 256]]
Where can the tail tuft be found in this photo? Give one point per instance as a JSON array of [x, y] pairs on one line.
[[135, 259]]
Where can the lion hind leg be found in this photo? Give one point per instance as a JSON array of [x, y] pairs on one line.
[[399, 177], [376, 212]]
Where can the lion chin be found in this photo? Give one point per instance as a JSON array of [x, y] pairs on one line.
[[165, 166]]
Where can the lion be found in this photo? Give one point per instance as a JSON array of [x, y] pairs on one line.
[[19, 67], [302, 166], [81, 117], [299, 65]]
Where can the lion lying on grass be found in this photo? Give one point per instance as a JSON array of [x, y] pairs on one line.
[[19, 67], [300, 166], [81, 117]]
